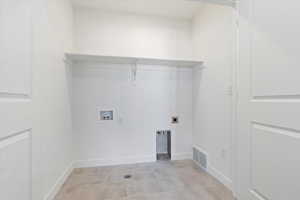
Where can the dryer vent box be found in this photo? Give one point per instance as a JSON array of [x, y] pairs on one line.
[[175, 120], [106, 115]]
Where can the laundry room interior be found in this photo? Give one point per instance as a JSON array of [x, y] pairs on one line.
[[149, 99]]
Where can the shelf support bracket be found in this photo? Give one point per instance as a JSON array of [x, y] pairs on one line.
[[134, 72]]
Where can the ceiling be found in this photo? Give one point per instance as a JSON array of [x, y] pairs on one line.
[[184, 9]]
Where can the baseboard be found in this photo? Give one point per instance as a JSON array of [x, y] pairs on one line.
[[220, 176], [182, 156], [111, 162], [58, 184], [214, 172]]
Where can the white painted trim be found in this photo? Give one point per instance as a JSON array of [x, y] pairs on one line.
[[182, 156], [59, 183], [256, 195], [111, 162], [12, 139], [234, 111], [220, 176]]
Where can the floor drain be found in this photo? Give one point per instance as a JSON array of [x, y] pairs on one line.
[[128, 176]]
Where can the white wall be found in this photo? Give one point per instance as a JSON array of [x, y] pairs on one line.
[[214, 36], [123, 34], [51, 134], [209, 37], [141, 108]]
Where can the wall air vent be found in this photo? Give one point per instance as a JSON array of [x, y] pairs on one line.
[[200, 157], [163, 145]]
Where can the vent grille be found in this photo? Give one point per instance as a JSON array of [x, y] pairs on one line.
[[200, 158], [163, 145], [161, 142]]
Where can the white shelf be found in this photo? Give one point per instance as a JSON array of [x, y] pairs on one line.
[[131, 60]]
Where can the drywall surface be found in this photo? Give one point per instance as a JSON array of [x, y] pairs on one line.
[[123, 34], [140, 107], [214, 36], [51, 134]]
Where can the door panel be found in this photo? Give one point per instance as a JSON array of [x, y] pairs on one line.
[[15, 48], [275, 163], [15, 169], [269, 100], [15, 115], [15, 99], [275, 54], [281, 113]]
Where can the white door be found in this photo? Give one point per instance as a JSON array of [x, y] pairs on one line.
[[15, 100], [269, 100]]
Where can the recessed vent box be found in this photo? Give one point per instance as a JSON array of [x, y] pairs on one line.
[[106, 115]]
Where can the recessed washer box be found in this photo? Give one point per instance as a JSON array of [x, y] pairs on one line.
[[106, 115]]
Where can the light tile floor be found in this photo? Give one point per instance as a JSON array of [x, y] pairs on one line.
[[163, 180]]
